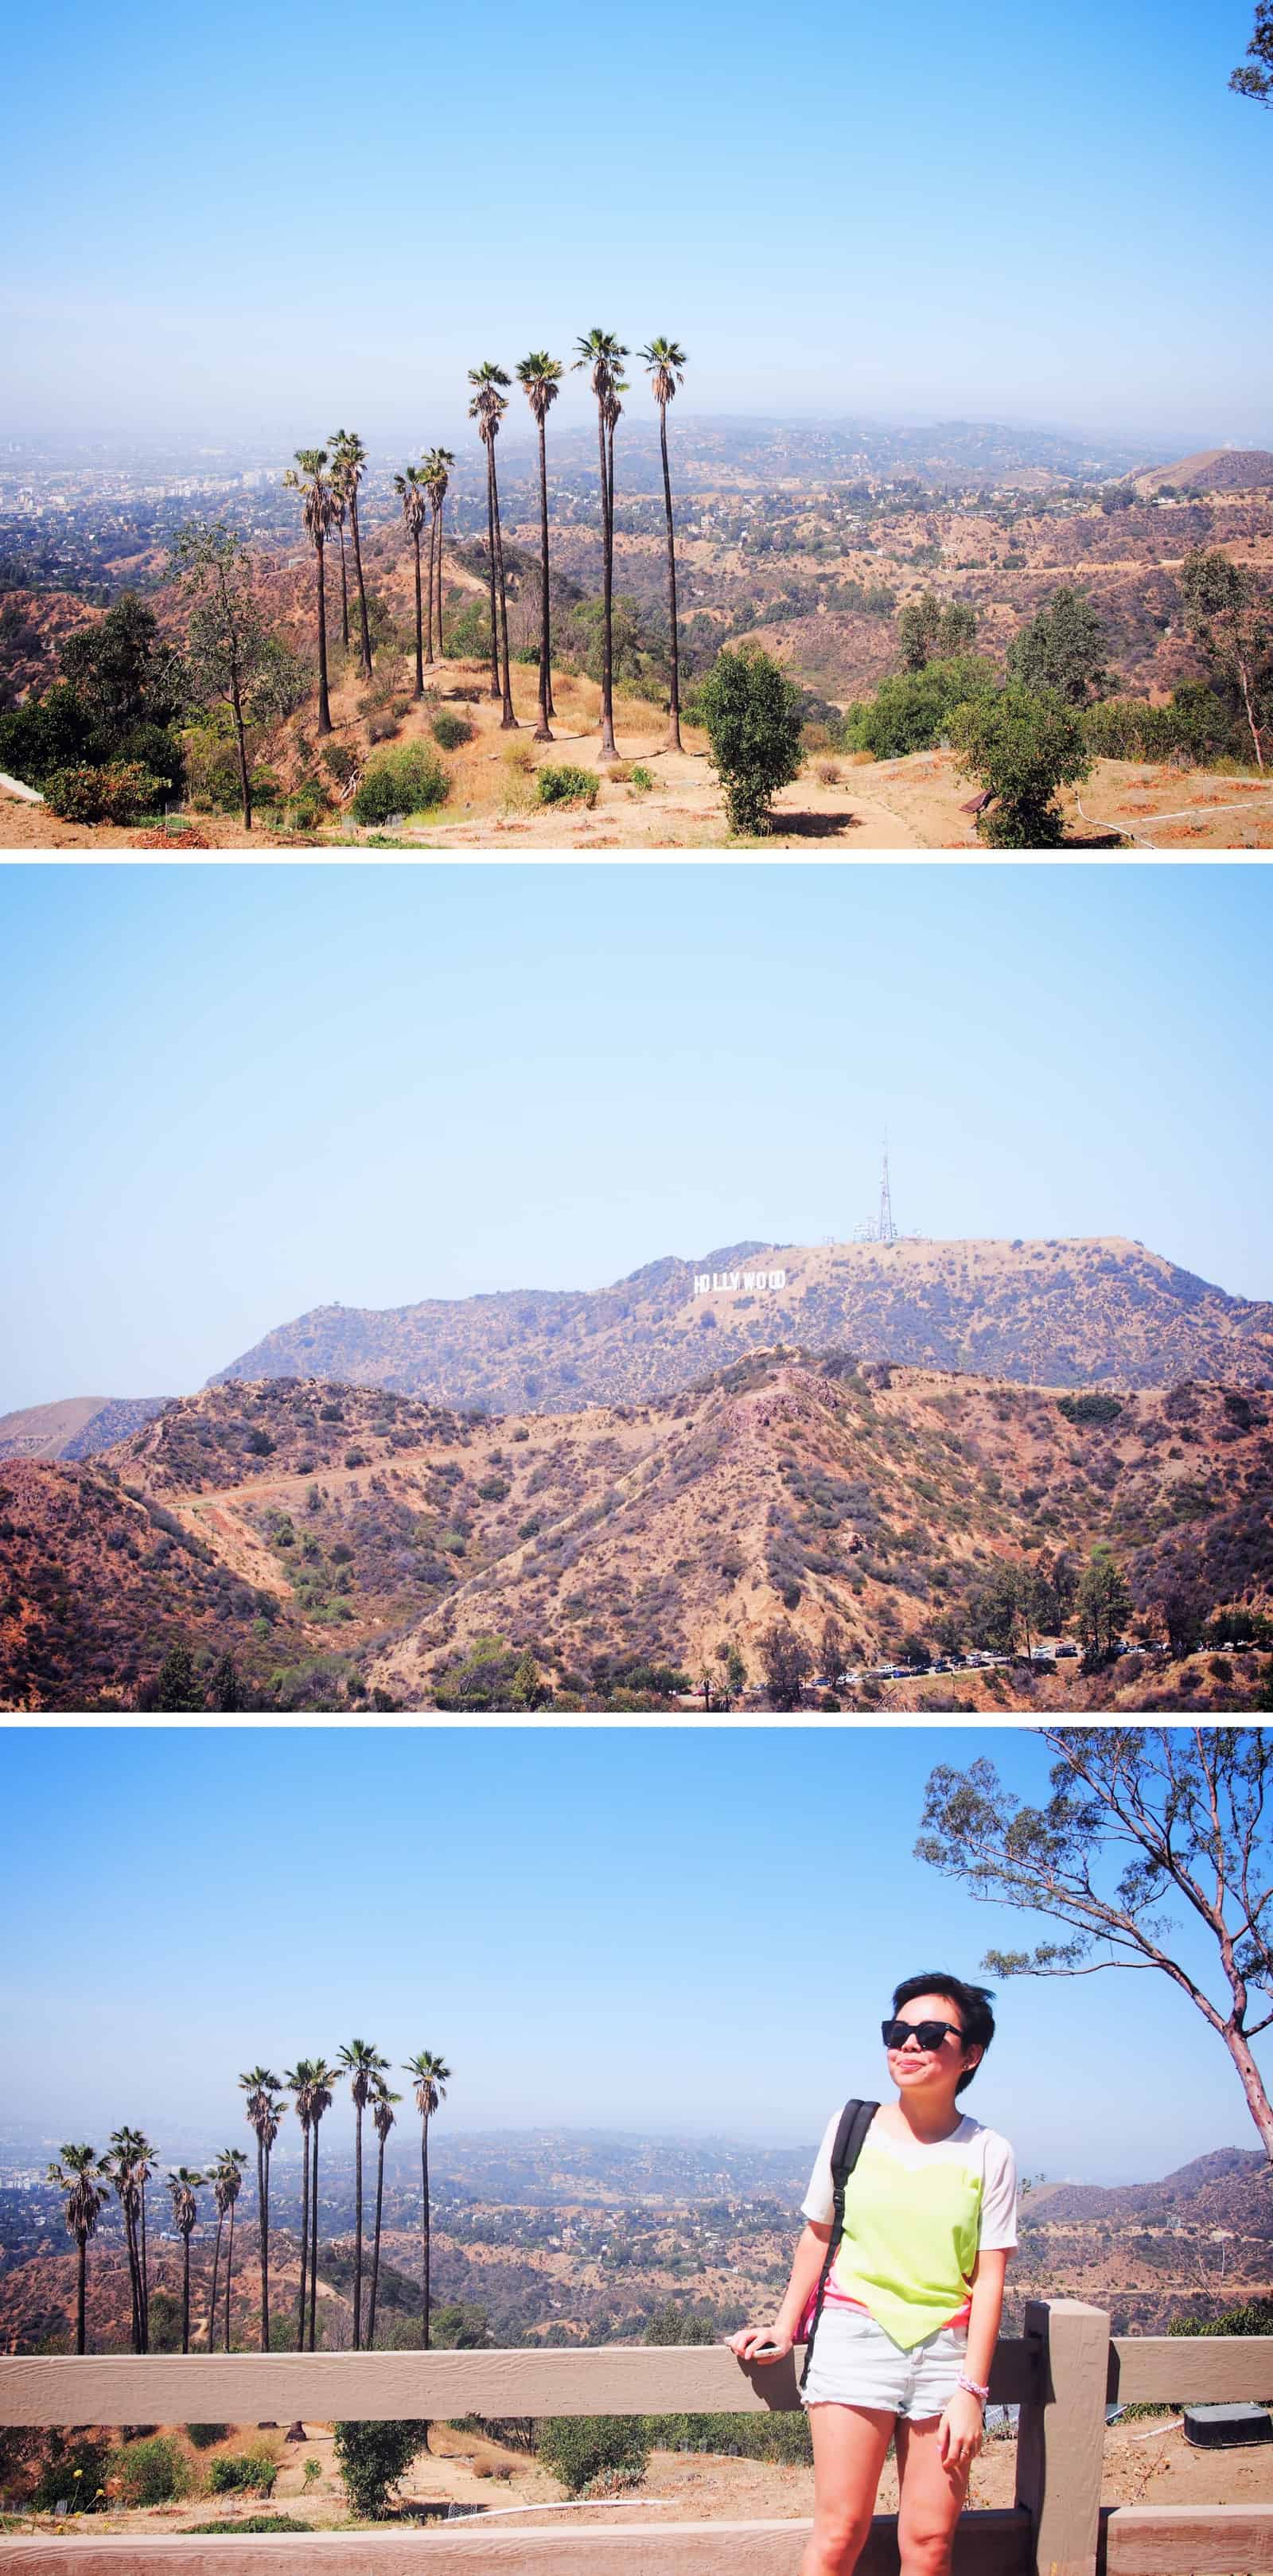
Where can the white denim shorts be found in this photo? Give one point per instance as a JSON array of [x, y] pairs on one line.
[[856, 2364]]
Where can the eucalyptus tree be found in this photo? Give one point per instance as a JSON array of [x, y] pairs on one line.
[[299, 2082], [430, 2077], [183, 2185], [412, 490], [437, 466], [263, 2114], [540, 378], [487, 409], [82, 2178], [602, 354], [227, 2181], [383, 2116], [311, 479], [362, 2064], [322, 2078], [349, 464], [227, 641], [665, 363]]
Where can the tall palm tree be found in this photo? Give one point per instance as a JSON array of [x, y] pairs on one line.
[[430, 2077], [339, 516], [318, 508], [227, 2179], [362, 2064], [487, 409], [382, 2114], [540, 377], [263, 2114], [322, 2077], [85, 2199], [412, 490], [349, 464], [144, 2158], [602, 354], [666, 362], [437, 466], [299, 2079], [120, 2166], [183, 2184]]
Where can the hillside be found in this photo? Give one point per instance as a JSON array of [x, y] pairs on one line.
[[1214, 469], [1086, 1312], [75, 1428], [345, 1543]]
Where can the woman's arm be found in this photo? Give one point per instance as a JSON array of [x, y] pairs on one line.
[[773, 2343], [962, 2423]]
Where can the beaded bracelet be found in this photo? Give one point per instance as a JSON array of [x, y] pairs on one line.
[[974, 2388]]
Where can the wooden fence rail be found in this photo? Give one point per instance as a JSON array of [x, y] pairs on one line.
[[1061, 2374]]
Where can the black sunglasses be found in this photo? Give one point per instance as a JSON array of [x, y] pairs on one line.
[[926, 2034]]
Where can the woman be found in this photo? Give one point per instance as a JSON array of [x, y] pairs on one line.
[[911, 2306]]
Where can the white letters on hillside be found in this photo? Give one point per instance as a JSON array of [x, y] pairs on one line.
[[731, 1282]]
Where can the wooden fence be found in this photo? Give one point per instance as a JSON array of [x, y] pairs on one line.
[[1062, 2374]]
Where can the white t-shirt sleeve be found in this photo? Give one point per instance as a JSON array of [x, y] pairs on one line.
[[999, 2196], [819, 2200]]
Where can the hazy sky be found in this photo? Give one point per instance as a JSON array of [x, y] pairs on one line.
[[644, 1930], [234, 1093], [236, 218]]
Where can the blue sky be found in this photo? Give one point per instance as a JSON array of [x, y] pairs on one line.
[[236, 218], [236, 1093], [683, 1930]]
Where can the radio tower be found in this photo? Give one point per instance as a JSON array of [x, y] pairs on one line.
[[888, 1231]]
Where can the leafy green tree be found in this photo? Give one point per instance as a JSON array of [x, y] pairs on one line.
[[371, 2458], [1022, 745], [1231, 621], [1184, 1616], [1257, 83], [539, 376], [84, 2196], [752, 714], [1139, 1818], [665, 361], [1102, 1605], [918, 627], [176, 1687], [528, 1690], [226, 637], [957, 631], [225, 1691], [580, 2448], [1064, 649], [122, 672], [785, 1663], [673, 2325], [912, 710]]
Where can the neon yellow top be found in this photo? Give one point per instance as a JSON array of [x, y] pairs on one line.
[[915, 2219]]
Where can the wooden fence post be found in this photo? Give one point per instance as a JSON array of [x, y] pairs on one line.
[[1061, 2435]]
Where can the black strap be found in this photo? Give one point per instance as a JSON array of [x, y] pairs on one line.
[[855, 2120]]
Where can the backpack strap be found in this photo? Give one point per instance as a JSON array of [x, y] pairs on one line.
[[855, 2120]]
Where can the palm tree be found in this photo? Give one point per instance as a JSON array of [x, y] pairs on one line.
[[298, 2080], [339, 516], [263, 2115], [119, 2165], [226, 2178], [382, 2114], [185, 2209], [321, 2079], [666, 362], [602, 354], [539, 375], [437, 466], [144, 2158], [318, 508], [349, 464], [362, 2064], [412, 491], [487, 409], [431, 2076], [86, 2198]]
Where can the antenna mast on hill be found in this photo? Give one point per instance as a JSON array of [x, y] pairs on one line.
[[888, 1231]]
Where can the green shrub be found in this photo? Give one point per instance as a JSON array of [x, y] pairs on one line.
[[746, 2437], [45, 734], [256, 2522], [560, 783], [450, 730], [371, 2459], [153, 2471], [406, 781], [203, 2436], [1022, 745], [308, 808], [1090, 1408], [340, 762], [116, 793], [580, 2449], [753, 716], [242, 2472], [382, 727], [642, 779], [72, 2473], [912, 711]]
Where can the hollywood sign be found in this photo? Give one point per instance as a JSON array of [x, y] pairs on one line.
[[708, 1282]]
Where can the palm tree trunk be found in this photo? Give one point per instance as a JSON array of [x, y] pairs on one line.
[[265, 2260], [608, 750], [313, 2247], [362, 590], [490, 550], [324, 704], [185, 2294], [300, 2312], [134, 2275], [441, 651], [229, 2275], [216, 2267], [542, 732], [425, 2232], [260, 2231], [358, 2227], [419, 621], [508, 718], [344, 591], [375, 2257], [81, 2243], [674, 696], [433, 540], [143, 2278]]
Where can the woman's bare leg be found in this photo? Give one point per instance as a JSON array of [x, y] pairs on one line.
[[932, 2499], [850, 2446]]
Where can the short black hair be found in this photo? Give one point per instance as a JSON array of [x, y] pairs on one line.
[[972, 2003]]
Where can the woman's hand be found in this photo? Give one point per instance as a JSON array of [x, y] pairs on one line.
[[760, 2343], [961, 2432]]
